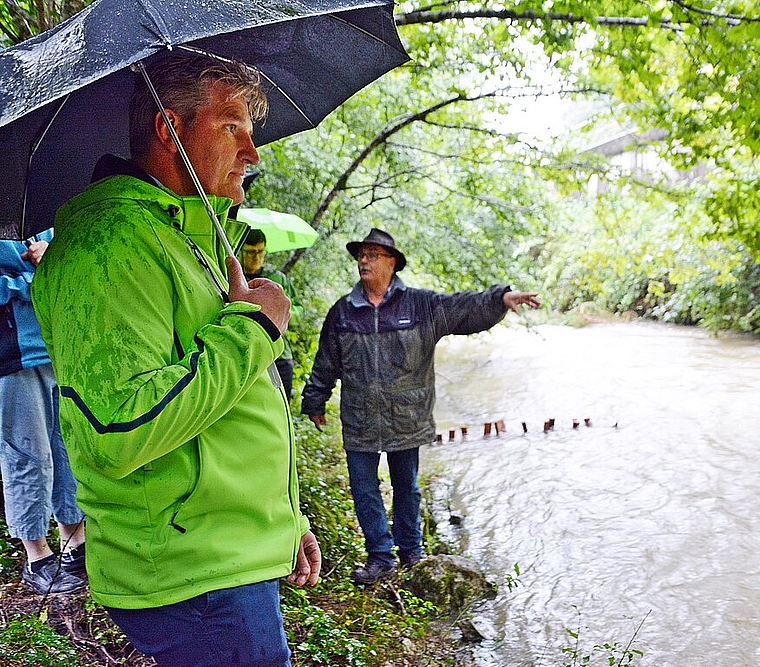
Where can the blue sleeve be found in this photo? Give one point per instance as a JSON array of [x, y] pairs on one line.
[[15, 274]]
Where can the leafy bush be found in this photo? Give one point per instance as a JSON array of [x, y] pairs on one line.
[[320, 636], [628, 253], [30, 642]]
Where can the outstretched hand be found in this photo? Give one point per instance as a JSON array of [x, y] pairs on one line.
[[260, 291], [512, 300]]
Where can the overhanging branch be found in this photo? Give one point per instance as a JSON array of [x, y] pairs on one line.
[[380, 139], [388, 131], [701, 17]]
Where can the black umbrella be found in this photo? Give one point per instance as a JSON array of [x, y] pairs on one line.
[[64, 95]]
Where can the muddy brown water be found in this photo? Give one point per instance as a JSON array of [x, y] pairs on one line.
[[651, 513]]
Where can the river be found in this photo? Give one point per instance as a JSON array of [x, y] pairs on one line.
[[647, 519]]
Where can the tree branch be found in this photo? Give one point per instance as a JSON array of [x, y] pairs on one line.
[[441, 15], [388, 131], [21, 20], [736, 18], [380, 139]]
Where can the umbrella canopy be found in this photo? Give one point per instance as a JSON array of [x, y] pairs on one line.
[[64, 95], [284, 231]]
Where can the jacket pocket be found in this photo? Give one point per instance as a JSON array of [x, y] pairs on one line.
[[411, 411]]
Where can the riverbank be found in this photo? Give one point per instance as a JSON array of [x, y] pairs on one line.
[[336, 624]]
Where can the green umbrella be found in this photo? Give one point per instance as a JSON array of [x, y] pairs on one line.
[[284, 231]]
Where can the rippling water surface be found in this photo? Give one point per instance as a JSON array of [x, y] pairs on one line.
[[652, 512]]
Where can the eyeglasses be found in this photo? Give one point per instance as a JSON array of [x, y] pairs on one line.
[[254, 253], [371, 255]]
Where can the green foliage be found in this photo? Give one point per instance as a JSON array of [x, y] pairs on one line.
[[101, 629], [638, 251], [325, 495], [472, 205], [320, 637], [21, 19], [512, 582], [31, 642], [416, 608], [350, 626], [734, 201], [613, 654]]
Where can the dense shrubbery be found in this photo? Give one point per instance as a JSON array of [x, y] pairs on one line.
[[629, 253]]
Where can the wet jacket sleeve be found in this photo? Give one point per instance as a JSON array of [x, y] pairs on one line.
[[327, 369], [15, 287], [15, 274], [467, 312]]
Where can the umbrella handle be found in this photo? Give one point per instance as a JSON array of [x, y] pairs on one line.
[[138, 66]]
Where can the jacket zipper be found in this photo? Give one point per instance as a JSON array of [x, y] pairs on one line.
[[377, 375], [207, 269]]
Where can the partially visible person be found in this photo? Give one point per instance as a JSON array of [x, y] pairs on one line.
[[37, 478], [182, 439], [252, 256], [379, 341]]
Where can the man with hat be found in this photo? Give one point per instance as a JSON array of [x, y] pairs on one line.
[[379, 341]]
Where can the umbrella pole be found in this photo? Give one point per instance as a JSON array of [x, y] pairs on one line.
[[185, 158]]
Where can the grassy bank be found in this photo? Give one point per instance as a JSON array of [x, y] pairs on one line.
[[335, 624]]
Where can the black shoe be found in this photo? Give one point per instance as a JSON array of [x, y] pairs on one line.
[[373, 572], [409, 560], [47, 576], [73, 560]]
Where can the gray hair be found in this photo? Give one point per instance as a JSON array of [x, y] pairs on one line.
[[182, 80]]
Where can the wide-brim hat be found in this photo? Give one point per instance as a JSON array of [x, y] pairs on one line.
[[381, 238]]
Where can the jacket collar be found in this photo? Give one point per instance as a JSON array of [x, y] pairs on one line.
[[127, 181], [358, 298]]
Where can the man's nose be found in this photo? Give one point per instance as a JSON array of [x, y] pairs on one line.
[[249, 152]]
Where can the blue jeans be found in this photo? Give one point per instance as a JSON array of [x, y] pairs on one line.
[[37, 478], [235, 627], [406, 533]]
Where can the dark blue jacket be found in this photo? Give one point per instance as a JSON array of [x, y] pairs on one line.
[[384, 358]]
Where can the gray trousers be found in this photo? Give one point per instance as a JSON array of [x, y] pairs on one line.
[[37, 479]]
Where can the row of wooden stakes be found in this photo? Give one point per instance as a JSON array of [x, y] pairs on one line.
[[498, 427]]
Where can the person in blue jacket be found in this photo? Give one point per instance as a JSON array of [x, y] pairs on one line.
[[37, 480]]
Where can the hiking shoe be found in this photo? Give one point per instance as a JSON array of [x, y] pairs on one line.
[[72, 560], [409, 560], [373, 572], [48, 576]]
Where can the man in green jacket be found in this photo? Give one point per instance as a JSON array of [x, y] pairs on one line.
[[180, 432], [252, 259]]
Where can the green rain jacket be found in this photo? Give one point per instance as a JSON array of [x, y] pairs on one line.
[[181, 442], [296, 307]]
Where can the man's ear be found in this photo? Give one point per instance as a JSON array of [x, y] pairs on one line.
[[162, 132]]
